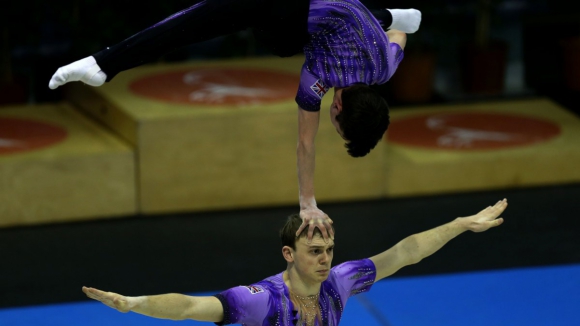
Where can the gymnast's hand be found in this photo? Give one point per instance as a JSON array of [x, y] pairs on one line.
[[315, 218], [113, 300], [487, 218]]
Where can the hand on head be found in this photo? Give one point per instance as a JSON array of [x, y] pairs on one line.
[[315, 218]]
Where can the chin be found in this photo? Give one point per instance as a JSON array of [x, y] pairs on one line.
[[321, 277]]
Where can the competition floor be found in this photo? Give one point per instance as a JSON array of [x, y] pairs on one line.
[[150, 160], [219, 135], [529, 296], [526, 272]]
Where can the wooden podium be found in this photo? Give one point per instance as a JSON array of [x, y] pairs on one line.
[[481, 146], [222, 135], [57, 165]]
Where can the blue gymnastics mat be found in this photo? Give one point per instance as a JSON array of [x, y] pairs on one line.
[[526, 296]]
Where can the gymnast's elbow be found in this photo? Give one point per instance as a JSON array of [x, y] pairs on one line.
[[409, 249]]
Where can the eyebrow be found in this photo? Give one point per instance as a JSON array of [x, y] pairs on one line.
[[317, 247]]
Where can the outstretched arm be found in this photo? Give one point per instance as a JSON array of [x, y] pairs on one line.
[[311, 216], [414, 248], [166, 306]]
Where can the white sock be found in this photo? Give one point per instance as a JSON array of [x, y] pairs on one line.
[[405, 20], [86, 70]]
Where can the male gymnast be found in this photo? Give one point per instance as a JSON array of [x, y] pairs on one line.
[[345, 46], [309, 292]]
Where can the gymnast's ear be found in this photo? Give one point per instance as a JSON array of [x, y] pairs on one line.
[[288, 254], [337, 99]]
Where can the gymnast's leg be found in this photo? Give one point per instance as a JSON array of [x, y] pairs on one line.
[[405, 20], [203, 21]]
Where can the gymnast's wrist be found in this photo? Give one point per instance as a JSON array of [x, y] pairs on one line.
[[307, 203]]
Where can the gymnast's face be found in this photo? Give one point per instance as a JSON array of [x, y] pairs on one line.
[[313, 261], [336, 108]]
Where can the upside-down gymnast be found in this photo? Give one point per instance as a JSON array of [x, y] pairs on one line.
[[345, 46], [309, 292]]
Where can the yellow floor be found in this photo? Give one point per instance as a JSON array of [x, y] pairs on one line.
[[226, 153], [222, 135], [481, 146], [58, 165]]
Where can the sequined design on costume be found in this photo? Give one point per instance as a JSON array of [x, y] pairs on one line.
[[347, 46], [274, 307], [361, 274]]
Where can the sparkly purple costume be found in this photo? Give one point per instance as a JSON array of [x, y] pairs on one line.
[[268, 302], [347, 46], [343, 41]]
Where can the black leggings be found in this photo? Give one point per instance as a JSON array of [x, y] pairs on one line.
[[282, 25]]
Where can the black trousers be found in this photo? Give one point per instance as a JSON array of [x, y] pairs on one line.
[[282, 25]]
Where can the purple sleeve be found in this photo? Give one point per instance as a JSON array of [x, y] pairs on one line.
[[396, 55], [354, 277], [244, 304], [310, 91]]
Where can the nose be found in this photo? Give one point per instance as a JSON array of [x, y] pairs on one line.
[[324, 258]]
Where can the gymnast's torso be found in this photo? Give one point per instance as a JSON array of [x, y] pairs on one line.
[[347, 46], [268, 302]]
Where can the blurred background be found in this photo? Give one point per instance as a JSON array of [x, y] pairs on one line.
[[535, 40], [111, 204]]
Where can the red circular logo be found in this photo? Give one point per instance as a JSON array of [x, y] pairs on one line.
[[21, 135], [470, 131], [218, 86]]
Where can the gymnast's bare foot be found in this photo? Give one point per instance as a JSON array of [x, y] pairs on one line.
[[86, 70]]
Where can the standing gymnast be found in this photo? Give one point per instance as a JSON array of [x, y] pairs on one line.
[[345, 46], [309, 292]]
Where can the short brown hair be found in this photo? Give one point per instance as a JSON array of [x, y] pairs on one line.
[[288, 231], [363, 120]]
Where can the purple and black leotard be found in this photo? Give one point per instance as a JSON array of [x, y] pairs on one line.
[[347, 46], [268, 302], [344, 42]]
